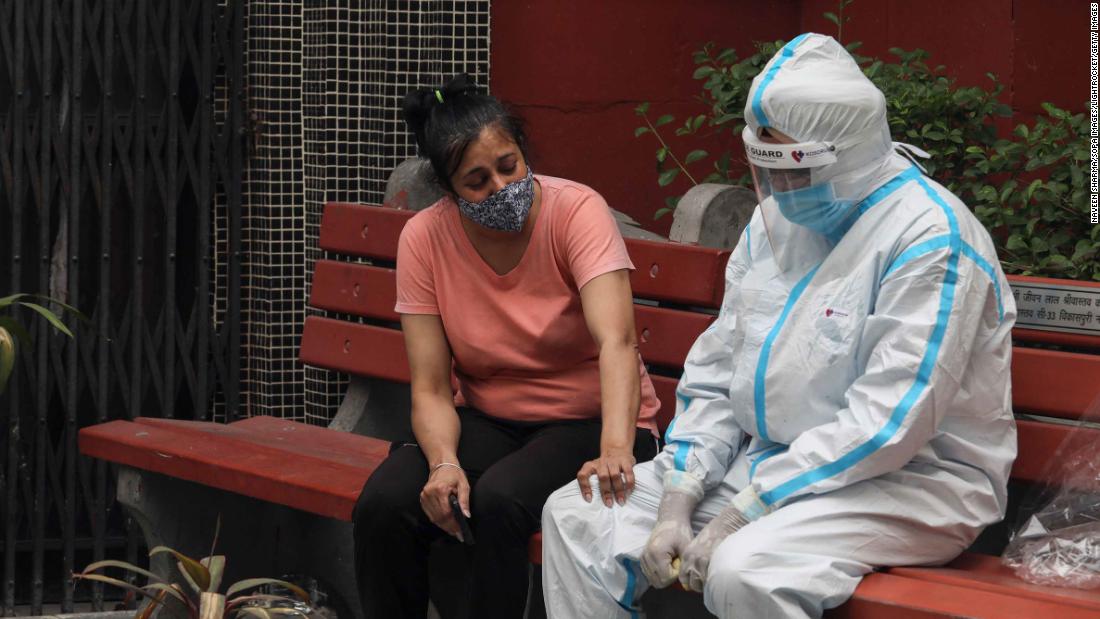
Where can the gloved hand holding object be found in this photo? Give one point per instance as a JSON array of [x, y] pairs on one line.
[[745, 508], [672, 533]]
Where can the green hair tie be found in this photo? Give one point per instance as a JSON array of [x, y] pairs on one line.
[[439, 95]]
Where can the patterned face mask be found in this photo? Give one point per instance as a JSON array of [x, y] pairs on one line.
[[506, 209]]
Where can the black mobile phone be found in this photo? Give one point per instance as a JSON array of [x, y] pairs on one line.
[[463, 523]]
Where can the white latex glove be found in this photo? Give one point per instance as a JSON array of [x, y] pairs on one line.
[[672, 532], [745, 508]]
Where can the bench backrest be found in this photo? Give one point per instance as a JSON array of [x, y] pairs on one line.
[[677, 288]]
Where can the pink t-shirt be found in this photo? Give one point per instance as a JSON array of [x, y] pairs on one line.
[[521, 347]]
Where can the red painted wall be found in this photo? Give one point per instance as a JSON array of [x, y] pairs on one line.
[[576, 69]]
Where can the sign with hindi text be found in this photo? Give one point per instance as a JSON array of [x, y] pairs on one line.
[[1057, 307]]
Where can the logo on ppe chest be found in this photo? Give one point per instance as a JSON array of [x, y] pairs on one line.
[[797, 156]]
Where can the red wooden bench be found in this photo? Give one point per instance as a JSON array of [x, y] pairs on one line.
[[678, 288]]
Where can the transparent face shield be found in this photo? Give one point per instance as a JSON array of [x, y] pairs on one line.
[[785, 168], [792, 179]]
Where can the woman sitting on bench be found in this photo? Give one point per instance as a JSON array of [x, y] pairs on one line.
[[520, 284]]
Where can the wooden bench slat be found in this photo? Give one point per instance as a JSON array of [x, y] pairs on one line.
[[666, 335], [360, 289], [1020, 334], [362, 230], [295, 438], [352, 348], [882, 595], [265, 474], [976, 571], [685, 274], [677, 273], [1041, 440], [377, 352], [1055, 383]]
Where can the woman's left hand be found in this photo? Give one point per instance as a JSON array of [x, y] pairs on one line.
[[615, 470]]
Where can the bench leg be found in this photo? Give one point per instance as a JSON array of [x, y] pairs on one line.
[[259, 539]]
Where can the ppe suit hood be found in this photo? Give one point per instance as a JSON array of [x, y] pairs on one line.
[[813, 91]]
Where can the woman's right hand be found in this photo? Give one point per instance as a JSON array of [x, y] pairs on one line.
[[435, 498]]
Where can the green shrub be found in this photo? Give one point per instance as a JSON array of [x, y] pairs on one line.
[[1029, 190]]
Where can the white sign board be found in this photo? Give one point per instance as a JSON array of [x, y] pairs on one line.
[[1057, 307]]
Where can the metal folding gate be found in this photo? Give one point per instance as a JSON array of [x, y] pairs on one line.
[[163, 165]]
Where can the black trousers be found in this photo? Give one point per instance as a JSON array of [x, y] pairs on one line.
[[512, 468]]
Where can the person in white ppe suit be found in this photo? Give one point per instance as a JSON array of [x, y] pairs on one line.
[[850, 407]]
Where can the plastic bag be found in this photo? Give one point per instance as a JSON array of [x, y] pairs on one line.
[[1058, 541]]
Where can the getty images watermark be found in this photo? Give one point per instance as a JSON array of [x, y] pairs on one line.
[[1094, 137]]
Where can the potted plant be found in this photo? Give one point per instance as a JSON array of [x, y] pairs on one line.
[[200, 594]]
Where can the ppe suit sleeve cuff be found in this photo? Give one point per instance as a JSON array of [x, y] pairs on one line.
[[684, 482], [749, 504]]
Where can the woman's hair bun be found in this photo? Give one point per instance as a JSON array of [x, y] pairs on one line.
[[447, 118], [418, 104], [458, 85]]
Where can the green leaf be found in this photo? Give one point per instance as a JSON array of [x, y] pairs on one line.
[[75, 312], [7, 357], [1085, 249], [703, 72], [642, 108], [172, 590], [661, 212], [150, 606], [641, 131], [673, 201], [123, 565], [1054, 111], [192, 568], [114, 582], [50, 316], [664, 120], [727, 56], [216, 566], [190, 581], [252, 583], [1035, 184], [8, 300], [668, 176], [662, 152], [1016, 242], [694, 156], [1057, 262], [829, 15], [16, 329], [1031, 223]]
